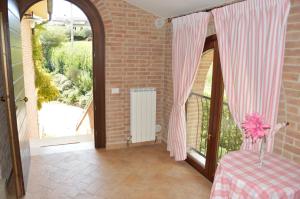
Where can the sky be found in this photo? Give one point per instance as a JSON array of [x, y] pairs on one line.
[[63, 8]]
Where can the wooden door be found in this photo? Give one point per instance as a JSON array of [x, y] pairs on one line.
[[15, 92], [221, 135], [203, 156]]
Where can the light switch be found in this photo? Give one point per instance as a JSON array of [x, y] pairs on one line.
[[115, 91]]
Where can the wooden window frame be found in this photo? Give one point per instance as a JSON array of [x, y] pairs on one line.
[[215, 116]]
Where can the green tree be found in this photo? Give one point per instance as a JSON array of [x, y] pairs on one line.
[[46, 90], [50, 39]]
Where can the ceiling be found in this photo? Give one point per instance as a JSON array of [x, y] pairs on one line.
[[171, 8], [39, 10]]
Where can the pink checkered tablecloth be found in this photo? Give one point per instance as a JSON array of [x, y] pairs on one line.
[[239, 176]]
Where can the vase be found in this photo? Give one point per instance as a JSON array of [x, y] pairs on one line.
[[262, 151]]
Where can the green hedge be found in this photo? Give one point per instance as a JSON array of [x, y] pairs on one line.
[[73, 63]]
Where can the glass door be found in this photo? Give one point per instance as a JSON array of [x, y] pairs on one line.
[[202, 110], [211, 131]]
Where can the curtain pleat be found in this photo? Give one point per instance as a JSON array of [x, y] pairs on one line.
[[251, 37], [189, 35]]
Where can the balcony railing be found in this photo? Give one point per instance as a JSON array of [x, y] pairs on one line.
[[198, 107]]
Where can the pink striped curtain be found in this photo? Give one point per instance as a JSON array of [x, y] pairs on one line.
[[189, 33], [251, 37]]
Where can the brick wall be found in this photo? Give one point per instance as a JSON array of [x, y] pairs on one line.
[[135, 57], [139, 55], [287, 142], [168, 82], [29, 79]]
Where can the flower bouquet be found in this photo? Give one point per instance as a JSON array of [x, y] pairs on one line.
[[255, 128]]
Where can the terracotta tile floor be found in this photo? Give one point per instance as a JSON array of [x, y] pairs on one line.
[[133, 173]]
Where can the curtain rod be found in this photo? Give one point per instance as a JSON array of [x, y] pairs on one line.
[[205, 10]]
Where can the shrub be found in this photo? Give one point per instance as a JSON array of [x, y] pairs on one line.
[[64, 67], [62, 82], [69, 92], [46, 90], [51, 39], [75, 62], [85, 99], [82, 33]]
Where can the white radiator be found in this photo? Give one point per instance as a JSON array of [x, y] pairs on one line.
[[142, 114]]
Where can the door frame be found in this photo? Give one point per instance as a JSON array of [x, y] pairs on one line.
[[5, 63], [215, 115], [97, 26], [98, 82]]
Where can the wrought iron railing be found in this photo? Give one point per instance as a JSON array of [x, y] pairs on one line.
[[230, 135]]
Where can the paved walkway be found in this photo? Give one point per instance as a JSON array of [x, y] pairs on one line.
[[59, 120]]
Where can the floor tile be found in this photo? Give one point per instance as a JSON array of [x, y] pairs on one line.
[[132, 173]]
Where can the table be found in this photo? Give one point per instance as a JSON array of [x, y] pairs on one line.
[[239, 176]]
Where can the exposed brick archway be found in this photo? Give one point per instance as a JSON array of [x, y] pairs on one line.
[[193, 109], [97, 26], [204, 66]]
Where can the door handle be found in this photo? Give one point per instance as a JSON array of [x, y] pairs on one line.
[[25, 99]]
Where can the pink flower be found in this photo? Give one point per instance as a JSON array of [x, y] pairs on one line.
[[254, 126]]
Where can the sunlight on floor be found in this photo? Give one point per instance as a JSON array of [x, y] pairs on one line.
[[58, 120], [61, 144]]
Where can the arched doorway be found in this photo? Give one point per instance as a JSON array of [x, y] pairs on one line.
[[11, 55], [98, 64]]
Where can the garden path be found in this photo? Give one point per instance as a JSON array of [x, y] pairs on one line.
[[57, 119]]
